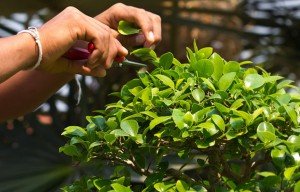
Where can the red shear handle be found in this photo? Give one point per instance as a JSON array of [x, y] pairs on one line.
[[118, 59], [77, 53]]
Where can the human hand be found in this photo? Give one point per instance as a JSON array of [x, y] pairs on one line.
[[149, 23], [62, 32]]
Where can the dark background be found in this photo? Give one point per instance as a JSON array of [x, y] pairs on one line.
[[266, 32]]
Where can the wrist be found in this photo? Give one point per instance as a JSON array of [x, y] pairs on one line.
[[34, 33], [28, 49]]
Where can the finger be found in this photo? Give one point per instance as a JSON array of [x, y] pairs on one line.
[[73, 66], [132, 40], [115, 51], [100, 37], [135, 15], [98, 72], [129, 40], [156, 20]]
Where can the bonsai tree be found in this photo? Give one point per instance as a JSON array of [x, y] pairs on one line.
[[204, 125], [229, 127]]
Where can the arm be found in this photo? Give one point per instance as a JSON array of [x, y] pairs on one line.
[[26, 90], [16, 53]]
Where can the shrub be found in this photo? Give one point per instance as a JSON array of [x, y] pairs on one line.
[[227, 126]]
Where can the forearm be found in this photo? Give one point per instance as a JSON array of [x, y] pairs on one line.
[[17, 52], [25, 91]]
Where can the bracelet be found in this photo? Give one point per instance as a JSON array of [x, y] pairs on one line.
[[35, 34]]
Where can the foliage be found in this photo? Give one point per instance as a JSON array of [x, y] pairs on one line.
[[238, 127]]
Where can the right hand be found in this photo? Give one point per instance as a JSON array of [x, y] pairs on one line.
[[60, 33]]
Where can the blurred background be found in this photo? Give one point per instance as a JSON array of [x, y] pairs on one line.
[[264, 31]]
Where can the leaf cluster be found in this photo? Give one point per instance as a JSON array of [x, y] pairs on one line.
[[237, 126]]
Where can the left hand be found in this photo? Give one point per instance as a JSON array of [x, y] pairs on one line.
[[149, 23]]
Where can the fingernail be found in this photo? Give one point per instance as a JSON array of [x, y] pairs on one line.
[[151, 36], [124, 50], [152, 47], [139, 39]]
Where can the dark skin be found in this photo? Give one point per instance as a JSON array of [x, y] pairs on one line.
[[22, 90]]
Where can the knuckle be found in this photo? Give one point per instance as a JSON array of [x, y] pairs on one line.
[[142, 11], [157, 18], [118, 5], [71, 9]]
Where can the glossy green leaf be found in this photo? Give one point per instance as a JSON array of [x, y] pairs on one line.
[[292, 114], [118, 187], [158, 120], [226, 80], [131, 127], [297, 187], [70, 150], [204, 67], [288, 172], [166, 60], [74, 131], [204, 53], [198, 94], [177, 117], [110, 138], [222, 108], [266, 132], [188, 118], [231, 66], [126, 28], [218, 66], [181, 186], [166, 81], [218, 120], [145, 54], [254, 81], [119, 133]]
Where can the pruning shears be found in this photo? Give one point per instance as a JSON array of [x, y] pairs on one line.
[[77, 53]]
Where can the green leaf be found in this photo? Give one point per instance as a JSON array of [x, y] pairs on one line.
[[266, 132], [177, 116], [188, 118], [218, 66], [204, 53], [209, 127], [292, 114], [166, 81], [99, 121], [204, 67], [158, 120], [101, 183], [222, 108], [204, 144], [226, 80], [288, 172], [218, 120], [266, 174], [70, 150], [126, 28], [74, 131], [278, 157], [166, 60], [119, 133], [145, 54], [297, 187], [131, 127], [120, 188], [110, 138], [181, 186], [198, 94], [231, 66], [94, 144], [253, 81]]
